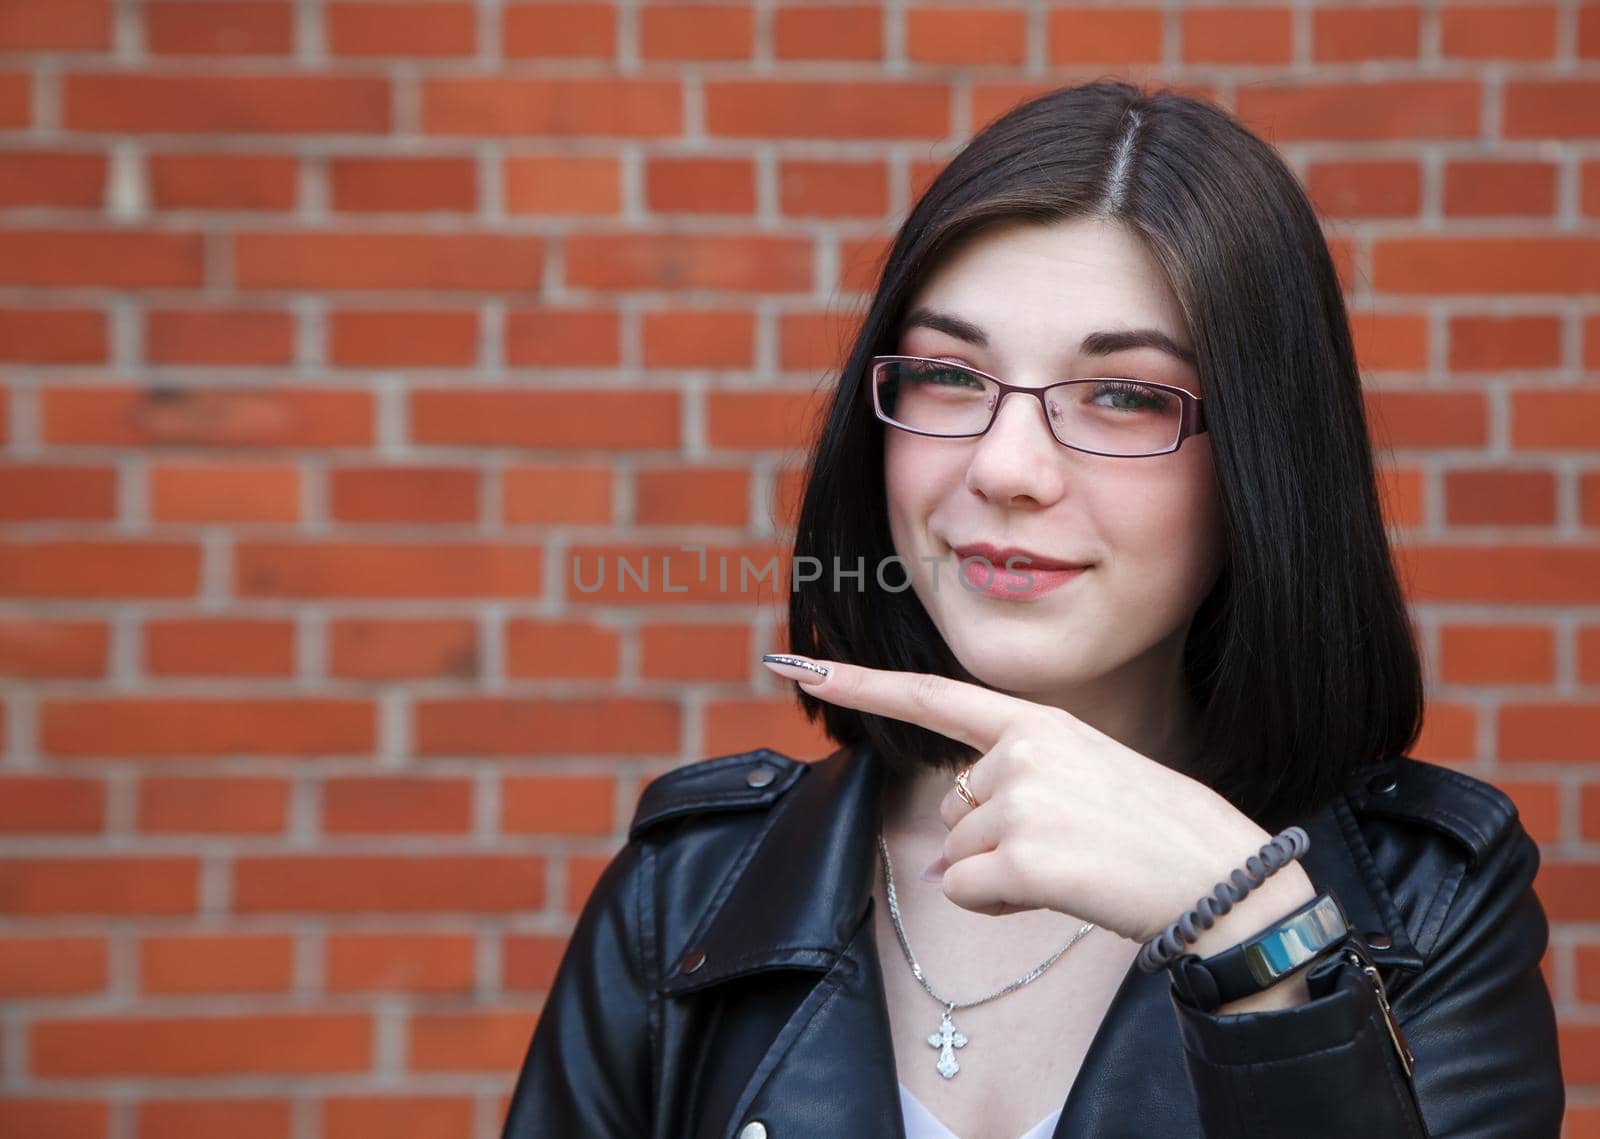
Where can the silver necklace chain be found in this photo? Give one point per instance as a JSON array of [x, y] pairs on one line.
[[947, 1039]]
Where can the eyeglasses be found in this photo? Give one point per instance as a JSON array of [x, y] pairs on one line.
[[1103, 416]]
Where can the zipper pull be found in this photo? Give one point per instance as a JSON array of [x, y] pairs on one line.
[[1406, 1059]]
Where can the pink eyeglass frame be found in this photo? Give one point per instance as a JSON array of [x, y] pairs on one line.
[[1191, 421]]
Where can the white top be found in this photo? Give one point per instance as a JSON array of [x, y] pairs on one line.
[[923, 1124]]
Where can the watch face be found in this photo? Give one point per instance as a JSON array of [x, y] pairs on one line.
[[1295, 940]]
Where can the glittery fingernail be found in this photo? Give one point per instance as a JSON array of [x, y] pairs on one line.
[[796, 668]]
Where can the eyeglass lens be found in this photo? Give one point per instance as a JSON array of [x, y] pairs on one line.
[[1115, 416]]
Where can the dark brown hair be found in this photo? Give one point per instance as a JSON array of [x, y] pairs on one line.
[[1301, 658]]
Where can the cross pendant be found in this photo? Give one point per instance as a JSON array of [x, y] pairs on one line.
[[947, 1040]]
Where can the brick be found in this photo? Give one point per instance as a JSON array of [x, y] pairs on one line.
[[559, 418], [468, 1042], [403, 649], [131, 885], [536, 494], [557, 804], [53, 336], [765, 419], [756, 263], [566, 107], [1449, 732], [1098, 35], [1366, 189], [556, 337], [55, 25], [1555, 419], [1497, 343], [1500, 498], [1556, 108], [511, 727], [205, 805], [277, 104], [404, 494], [853, 32], [1589, 654], [530, 961], [1354, 35], [219, 646], [386, 569], [729, 726], [1429, 418], [16, 99], [42, 648], [1523, 31], [822, 189], [195, 1046], [404, 185], [1401, 493], [401, 1117], [860, 264], [1562, 731], [224, 181], [561, 649], [695, 32], [195, 963], [78, 1118], [382, 806], [1497, 654], [34, 967], [251, 27], [224, 492], [99, 569], [1487, 265], [44, 804], [748, 108], [489, 263], [1368, 110], [368, 884], [685, 338], [230, 417], [815, 341], [583, 872], [1503, 575], [1499, 189], [691, 496], [1390, 342], [558, 31], [400, 338], [973, 36], [589, 184], [695, 652], [360, 962], [219, 336], [700, 185], [1539, 805], [1236, 35], [53, 178], [787, 490], [205, 727], [39, 258], [42, 492], [396, 29], [238, 1119], [1589, 499]]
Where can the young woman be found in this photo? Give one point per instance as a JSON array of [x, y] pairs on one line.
[[1128, 613]]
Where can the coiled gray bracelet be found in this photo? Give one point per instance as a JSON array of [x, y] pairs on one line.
[[1162, 949]]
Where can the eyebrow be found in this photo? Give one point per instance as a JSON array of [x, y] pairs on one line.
[[1101, 343]]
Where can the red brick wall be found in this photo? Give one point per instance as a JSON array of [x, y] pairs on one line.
[[330, 331]]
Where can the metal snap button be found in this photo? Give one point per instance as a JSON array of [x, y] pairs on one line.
[[692, 960], [760, 776], [1378, 940], [1382, 784], [755, 1129]]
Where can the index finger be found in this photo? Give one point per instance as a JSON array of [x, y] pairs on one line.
[[974, 715]]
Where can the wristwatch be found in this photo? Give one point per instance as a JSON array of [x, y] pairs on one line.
[[1316, 928]]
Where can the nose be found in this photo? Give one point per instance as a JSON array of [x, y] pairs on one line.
[[1018, 460]]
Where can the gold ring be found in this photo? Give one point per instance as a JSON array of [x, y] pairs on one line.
[[962, 789]]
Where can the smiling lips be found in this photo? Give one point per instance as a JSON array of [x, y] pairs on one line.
[[1025, 559], [1031, 577]]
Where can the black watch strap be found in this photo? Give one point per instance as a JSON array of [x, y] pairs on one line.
[[1261, 961]]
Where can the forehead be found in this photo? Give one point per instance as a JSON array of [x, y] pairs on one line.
[[1024, 282]]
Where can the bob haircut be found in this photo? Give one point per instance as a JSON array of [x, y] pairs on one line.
[[1301, 658]]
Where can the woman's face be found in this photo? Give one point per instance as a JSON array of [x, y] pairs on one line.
[[1148, 528]]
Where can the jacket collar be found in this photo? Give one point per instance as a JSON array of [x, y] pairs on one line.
[[807, 880]]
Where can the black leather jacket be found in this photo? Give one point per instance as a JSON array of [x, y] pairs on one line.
[[723, 973]]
